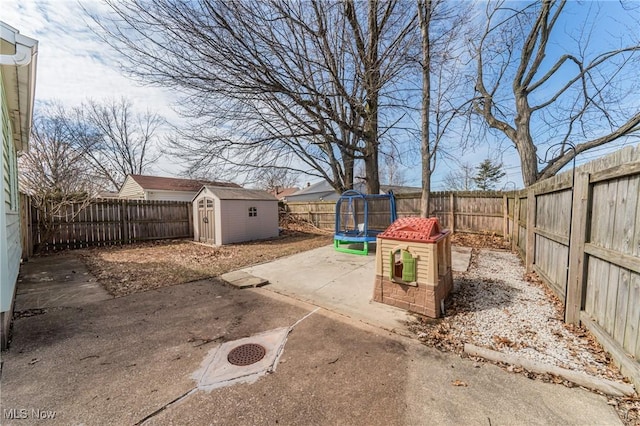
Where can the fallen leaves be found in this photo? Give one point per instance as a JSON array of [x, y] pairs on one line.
[[502, 341], [146, 266], [480, 241]]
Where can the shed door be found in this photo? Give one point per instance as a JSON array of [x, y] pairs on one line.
[[206, 220]]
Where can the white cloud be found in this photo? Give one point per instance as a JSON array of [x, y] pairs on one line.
[[72, 64]]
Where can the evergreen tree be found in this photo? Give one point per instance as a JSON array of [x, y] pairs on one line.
[[488, 175]]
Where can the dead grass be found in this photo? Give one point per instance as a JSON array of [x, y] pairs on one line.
[[147, 266]]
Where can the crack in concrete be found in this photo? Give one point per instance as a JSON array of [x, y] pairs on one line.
[[236, 379], [164, 407]]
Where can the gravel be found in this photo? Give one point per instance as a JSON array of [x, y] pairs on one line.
[[496, 306], [516, 317]]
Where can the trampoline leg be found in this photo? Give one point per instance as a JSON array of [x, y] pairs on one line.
[[363, 252]]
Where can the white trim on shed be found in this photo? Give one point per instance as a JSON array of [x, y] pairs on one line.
[[232, 215]]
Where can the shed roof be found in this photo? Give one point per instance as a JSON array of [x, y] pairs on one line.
[[176, 184], [239, 193], [416, 229]]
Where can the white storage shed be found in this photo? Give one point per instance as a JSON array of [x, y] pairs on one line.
[[232, 215]]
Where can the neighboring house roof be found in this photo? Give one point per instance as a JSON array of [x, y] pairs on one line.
[[397, 189], [281, 193], [238, 193], [319, 191], [18, 60], [323, 191], [157, 183]]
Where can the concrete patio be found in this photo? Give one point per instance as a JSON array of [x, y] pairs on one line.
[[132, 360], [339, 282]]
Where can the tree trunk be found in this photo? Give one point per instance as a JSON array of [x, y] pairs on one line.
[[371, 171], [348, 164], [372, 86], [528, 162], [424, 13], [523, 140]]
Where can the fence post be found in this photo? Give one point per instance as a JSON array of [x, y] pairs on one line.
[[577, 239], [452, 212], [190, 218], [124, 222], [505, 218], [25, 225], [516, 222], [531, 236]]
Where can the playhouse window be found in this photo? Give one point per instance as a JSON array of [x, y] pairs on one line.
[[403, 266], [253, 211]]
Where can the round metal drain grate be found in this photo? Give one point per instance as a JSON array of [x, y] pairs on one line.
[[246, 354]]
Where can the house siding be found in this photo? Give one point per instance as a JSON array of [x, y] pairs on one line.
[[10, 241], [170, 195], [131, 190]]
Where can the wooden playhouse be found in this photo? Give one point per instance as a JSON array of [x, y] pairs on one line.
[[413, 266]]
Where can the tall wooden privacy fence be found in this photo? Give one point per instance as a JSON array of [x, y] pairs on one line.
[[476, 212], [105, 222], [583, 238]]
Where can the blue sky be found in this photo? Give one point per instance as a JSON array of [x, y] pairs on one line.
[[73, 65]]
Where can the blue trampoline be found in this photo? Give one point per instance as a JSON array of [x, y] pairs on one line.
[[360, 218]]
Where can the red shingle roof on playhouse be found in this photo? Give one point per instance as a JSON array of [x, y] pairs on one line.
[[416, 229]]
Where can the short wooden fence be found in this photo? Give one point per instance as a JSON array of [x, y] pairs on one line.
[[105, 222]]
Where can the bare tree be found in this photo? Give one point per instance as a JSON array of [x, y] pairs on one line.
[[116, 141], [276, 179], [460, 179], [441, 26], [275, 83], [393, 171], [54, 171], [55, 163], [536, 95]]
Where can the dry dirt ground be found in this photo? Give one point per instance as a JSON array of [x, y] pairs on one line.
[[124, 270]]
